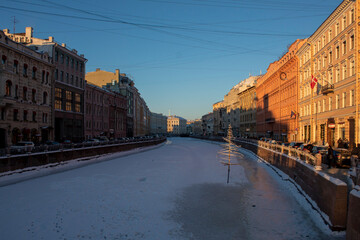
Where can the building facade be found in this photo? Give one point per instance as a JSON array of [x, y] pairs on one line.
[[158, 124], [247, 105], [329, 111], [208, 124], [26, 102], [105, 113], [69, 87], [138, 115], [277, 104], [237, 109], [176, 125]]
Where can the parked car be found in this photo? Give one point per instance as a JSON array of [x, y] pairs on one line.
[[103, 139], [52, 143], [295, 144], [286, 144], [342, 157], [94, 140], [323, 150], [306, 147], [22, 146]]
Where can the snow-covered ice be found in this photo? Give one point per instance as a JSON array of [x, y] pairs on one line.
[[176, 191]]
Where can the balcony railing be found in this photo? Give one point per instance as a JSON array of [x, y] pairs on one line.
[[328, 88]]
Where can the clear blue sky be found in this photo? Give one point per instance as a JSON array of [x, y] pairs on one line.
[[184, 55]]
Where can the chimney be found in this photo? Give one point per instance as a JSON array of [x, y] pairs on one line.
[[117, 72], [63, 45], [29, 32], [51, 39], [6, 31], [98, 69]]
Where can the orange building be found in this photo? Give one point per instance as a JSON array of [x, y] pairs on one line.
[[277, 104]]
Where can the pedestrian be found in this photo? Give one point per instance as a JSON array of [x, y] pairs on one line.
[[330, 157]]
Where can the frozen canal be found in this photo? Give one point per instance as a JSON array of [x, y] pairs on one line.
[[176, 191]]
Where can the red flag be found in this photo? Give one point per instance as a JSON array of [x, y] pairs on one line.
[[313, 82]]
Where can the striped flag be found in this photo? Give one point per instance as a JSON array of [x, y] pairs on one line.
[[292, 114]]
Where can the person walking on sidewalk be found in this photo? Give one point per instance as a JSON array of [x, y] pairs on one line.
[[330, 157]]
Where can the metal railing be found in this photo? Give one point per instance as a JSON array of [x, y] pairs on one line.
[[292, 152]]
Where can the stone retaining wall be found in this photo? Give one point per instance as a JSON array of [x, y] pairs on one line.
[[353, 220], [36, 159]]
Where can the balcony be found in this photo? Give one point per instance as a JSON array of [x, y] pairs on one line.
[[328, 88]]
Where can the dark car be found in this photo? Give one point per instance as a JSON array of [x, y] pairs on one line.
[[52, 143], [342, 157], [295, 144], [323, 150], [306, 147]]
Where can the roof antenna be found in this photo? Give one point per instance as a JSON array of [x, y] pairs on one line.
[[14, 24]]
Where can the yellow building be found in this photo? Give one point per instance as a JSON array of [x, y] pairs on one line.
[[176, 125], [330, 111]]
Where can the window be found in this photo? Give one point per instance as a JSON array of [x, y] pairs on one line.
[[337, 28], [344, 47], [352, 97], [33, 74], [343, 23], [16, 91], [67, 77], [323, 105], [337, 76], [57, 93], [58, 104], [337, 52], [72, 79], [68, 106], [77, 97], [33, 96], [25, 68], [42, 76], [62, 76], [72, 63], [352, 42], [25, 115], [8, 86], [3, 59], [330, 104], [352, 68], [56, 56], [67, 60], [3, 113], [45, 118], [344, 100], [45, 95], [25, 93], [337, 103], [62, 58], [329, 35], [344, 71], [34, 116], [330, 57], [56, 74], [16, 66], [77, 81], [47, 77], [16, 115]]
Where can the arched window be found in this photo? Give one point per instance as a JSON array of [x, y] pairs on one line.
[[8, 88], [45, 95], [3, 59], [34, 73], [25, 93], [33, 96], [25, 70], [47, 77]]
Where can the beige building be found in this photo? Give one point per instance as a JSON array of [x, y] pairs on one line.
[[26, 100], [138, 116], [330, 110], [237, 109], [247, 106], [69, 86], [176, 125], [158, 123]]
